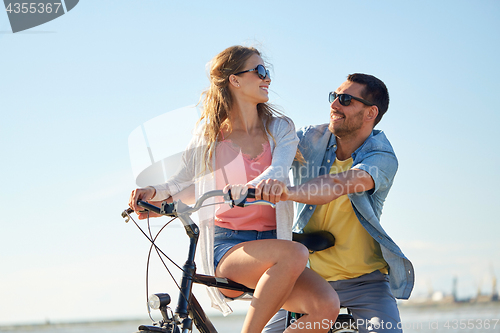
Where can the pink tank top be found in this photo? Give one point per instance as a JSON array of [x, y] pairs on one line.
[[233, 167]]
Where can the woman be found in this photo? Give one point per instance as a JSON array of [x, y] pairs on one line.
[[242, 140]]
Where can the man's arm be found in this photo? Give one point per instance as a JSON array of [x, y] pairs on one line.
[[317, 191], [326, 188]]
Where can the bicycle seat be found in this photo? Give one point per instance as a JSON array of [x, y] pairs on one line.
[[315, 241]]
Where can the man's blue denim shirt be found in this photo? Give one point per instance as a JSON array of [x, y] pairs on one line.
[[375, 156]]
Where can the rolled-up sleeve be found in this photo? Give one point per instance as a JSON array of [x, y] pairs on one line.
[[381, 166]]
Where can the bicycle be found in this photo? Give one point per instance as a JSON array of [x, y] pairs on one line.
[[188, 309]]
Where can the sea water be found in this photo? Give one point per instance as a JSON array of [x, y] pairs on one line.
[[452, 318], [232, 323]]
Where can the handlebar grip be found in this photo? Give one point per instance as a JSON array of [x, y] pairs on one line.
[[244, 202], [251, 193], [149, 206]]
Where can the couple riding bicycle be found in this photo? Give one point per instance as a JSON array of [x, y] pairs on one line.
[[243, 140]]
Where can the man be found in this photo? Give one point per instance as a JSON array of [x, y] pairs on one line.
[[341, 186]]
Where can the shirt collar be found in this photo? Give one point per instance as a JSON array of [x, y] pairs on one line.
[[359, 148], [332, 143]]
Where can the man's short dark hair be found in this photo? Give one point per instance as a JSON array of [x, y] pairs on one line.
[[375, 91]]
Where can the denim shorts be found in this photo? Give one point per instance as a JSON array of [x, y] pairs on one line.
[[225, 239]]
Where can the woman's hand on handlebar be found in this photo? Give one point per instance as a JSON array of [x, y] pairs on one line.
[[271, 190], [238, 191], [143, 194]]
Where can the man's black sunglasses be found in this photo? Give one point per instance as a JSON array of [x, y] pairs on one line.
[[262, 72], [345, 99]]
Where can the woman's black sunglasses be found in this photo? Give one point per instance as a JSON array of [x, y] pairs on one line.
[[345, 99], [262, 72]]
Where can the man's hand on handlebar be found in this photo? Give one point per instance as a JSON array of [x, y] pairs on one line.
[[271, 190]]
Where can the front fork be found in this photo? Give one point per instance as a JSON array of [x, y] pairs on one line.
[[189, 270]]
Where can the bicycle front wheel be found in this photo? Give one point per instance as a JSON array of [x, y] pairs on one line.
[[200, 319], [344, 324], [156, 329]]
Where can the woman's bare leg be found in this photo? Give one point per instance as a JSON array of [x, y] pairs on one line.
[[272, 268], [316, 299]]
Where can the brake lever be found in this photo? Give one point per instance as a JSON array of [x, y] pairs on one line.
[[244, 202], [126, 213], [228, 198]]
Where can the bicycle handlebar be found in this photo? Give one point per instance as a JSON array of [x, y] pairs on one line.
[[173, 208], [179, 210]]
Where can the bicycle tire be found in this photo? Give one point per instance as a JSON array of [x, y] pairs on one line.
[[200, 319], [353, 329], [153, 329], [344, 324], [142, 331]]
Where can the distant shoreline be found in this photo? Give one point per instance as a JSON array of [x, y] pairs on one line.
[[63, 323], [96, 322], [411, 305], [446, 305]]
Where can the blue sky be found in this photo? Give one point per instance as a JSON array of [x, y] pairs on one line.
[[74, 89]]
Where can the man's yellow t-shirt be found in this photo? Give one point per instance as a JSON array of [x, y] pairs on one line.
[[355, 252]]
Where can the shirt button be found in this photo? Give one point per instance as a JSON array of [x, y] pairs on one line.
[[334, 146], [328, 161], [310, 207]]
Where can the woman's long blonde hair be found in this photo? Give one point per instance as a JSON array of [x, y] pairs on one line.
[[217, 100]]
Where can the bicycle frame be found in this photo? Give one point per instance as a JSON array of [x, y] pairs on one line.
[[187, 303], [188, 309], [187, 300]]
